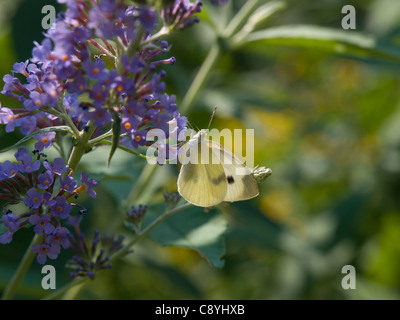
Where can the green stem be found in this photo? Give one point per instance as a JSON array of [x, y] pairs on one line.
[[123, 251], [142, 183], [65, 117], [240, 18], [21, 270], [67, 287], [163, 31], [199, 80], [81, 146], [121, 147], [61, 147], [106, 135]]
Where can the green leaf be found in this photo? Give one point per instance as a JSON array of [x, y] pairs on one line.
[[351, 43], [194, 229], [36, 133], [241, 17], [261, 14], [128, 150], [116, 129], [250, 227]]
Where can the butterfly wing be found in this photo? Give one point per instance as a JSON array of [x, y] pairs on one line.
[[203, 184], [241, 184]]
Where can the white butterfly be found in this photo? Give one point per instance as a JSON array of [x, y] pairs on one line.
[[207, 182]]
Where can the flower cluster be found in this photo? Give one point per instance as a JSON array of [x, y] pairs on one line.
[[136, 214], [98, 73], [63, 83], [47, 191], [89, 259]]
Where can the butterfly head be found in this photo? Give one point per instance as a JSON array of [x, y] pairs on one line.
[[200, 136]]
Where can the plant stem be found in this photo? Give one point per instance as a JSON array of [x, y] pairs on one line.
[[21, 270], [163, 31], [201, 76], [106, 135], [67, 287], [80, 148], [65, 117], [142, 183], [240, 18], [58, 141]]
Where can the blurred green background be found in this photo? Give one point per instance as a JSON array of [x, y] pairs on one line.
[[326, 122]]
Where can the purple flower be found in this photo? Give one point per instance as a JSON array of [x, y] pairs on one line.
[[71, 103], [138, 138], [176, 125], [64, 68], [165, 151], [99, 116], [61, 208], [148, 18], [122, 85], [22, 154], [68, 184], [36, 101], [8, 169], [6, 237], [80, 83], [34, 199], [47, 199], [41, 51], [136, 214], [58, 166], [20, 67], [28, 166], [168, 102], [88, 184], [95, 70], [8, 85], [7, 117], [99, 94], [11, 84], [28, 124], [11, 221], [45, 180], [129, 123], [44, 140], [59, 237], [156, 85], [133, 64], [181, 13], [44, 251], [41, 223]]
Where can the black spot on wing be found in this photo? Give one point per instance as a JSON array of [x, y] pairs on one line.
[[218, 180], [230, 179]]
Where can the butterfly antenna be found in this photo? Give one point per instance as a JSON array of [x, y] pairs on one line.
[[211, 118], [192, 126]]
